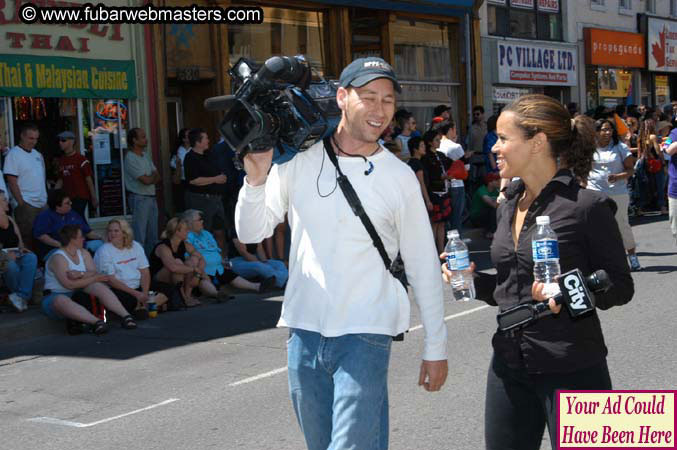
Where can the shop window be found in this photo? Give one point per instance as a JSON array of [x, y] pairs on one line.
[[365, 29], [284, 32], [423, 63], [422, 51], [597, 2], [651, 6], [5, 137], [105, 125], [526, 19]]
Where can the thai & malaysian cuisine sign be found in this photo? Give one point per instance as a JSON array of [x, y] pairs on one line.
[[525, 63], [662, 45]]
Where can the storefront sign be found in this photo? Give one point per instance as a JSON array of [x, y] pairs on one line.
[[70, 40], [497, 2], [614, 48], [22, 75], [662, 45], [548, 5], [614, 83], [507, 94], [520, 63]]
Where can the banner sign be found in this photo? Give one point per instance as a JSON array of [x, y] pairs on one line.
[[662, 87], [614, 48], [35, 76], [521, 63], [548, 5], [662, 45]]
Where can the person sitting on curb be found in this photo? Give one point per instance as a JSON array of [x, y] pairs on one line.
[[175, 261], [123, 259], [217, 267], [253, 262], [50, 221], [21, 262], [70, 270], [484, 204]]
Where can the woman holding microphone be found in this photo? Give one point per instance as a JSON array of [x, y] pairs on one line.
[[551, 154]]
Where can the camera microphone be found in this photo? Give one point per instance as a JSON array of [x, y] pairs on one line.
[[576, 294]]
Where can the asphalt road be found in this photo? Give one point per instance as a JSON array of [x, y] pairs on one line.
[[214, 377]]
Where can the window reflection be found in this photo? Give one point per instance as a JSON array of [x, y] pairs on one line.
[[285, 32]]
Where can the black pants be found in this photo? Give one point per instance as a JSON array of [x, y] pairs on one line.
[[518, 404], [486, 219], [79, 205]]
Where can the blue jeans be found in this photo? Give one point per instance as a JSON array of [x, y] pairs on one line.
[[339, 389], [251, 269], [20, 275], [145, 222], [457, 206]]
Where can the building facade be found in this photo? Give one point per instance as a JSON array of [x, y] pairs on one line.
[[526, 48], [616, 40], [88, 79], [431, 46]]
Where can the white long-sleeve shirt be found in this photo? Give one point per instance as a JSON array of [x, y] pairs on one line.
[[338, 283]]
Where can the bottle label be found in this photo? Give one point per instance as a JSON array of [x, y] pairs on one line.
[[459, 260], [545, 250]]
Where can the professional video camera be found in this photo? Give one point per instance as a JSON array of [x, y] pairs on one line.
[[576, 293], [276, 105]]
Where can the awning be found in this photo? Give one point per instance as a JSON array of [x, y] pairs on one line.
[[45, 76], [438, 7]]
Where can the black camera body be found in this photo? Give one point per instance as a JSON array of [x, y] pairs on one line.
[[276, 105], [577, 293]]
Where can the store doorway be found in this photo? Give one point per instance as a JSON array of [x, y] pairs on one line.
[[51, 116]]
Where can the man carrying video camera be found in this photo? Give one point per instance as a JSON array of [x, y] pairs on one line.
[[342, 305]]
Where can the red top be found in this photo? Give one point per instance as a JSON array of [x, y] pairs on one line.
[[74, 169]]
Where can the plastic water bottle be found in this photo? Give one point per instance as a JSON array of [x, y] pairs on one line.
[[458, 262], [545, 252]]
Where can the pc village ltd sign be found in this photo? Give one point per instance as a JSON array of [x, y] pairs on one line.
[[525, 63]]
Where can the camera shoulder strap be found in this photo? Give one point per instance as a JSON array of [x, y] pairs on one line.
[[356, 204]]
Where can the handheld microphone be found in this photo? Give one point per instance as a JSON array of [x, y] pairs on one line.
[[576, 293]]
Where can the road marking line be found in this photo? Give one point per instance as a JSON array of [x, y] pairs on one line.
[[68, 423], [258, 377], [284, 369], [453, 316]]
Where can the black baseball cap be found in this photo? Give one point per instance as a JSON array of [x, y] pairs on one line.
[[364, 70]]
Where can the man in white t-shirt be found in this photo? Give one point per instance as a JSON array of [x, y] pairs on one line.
[[26, 177], [456, 188], [341, 304]]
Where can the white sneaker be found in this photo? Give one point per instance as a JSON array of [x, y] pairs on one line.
[[19, 303]]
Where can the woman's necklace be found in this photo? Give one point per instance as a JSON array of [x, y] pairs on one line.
[[72, 254]]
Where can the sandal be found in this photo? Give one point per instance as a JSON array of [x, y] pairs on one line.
[[99, 327], [128, 322]]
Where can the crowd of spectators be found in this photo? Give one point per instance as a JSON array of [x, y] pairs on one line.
[[45, 235]]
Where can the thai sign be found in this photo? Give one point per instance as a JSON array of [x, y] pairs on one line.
[[525, 63], [66, 77]]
